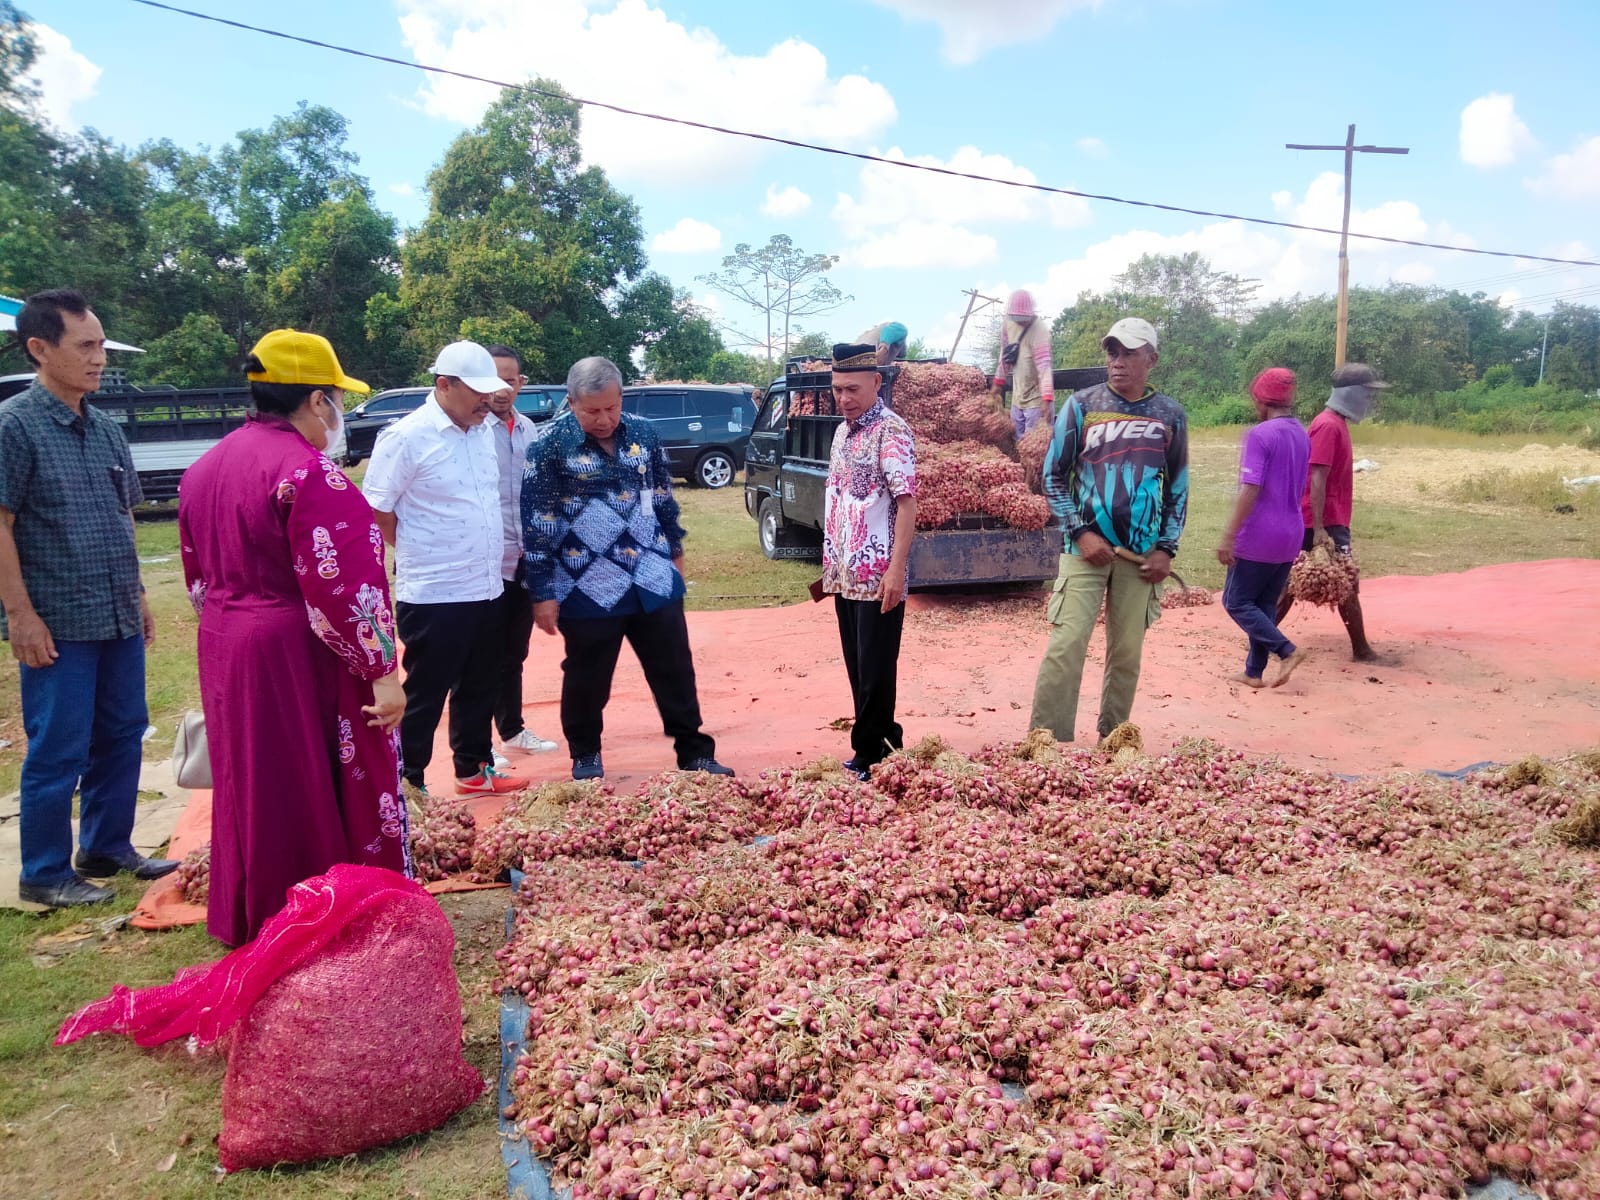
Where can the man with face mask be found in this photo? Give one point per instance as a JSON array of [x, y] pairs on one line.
[[1330, 485]]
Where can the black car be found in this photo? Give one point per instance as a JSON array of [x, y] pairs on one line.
[[537, 402], [703, 427]]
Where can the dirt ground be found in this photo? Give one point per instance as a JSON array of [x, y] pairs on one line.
[[1493, 663]]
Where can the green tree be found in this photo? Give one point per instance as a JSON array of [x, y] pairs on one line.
[[813, 344], [684, 349], [521, 237], [198, 353], [729, 366], [332, 260], [782, 283]]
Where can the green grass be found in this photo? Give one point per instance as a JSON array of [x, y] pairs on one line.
[[1541, 491]]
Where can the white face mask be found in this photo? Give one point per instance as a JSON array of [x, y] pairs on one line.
[[334, 447]]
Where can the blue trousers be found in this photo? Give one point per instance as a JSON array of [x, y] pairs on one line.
[[85, 717], [1251, 598]]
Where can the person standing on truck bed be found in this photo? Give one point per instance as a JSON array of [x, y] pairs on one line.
[[1117, 477], [434, 487], [869, 519], [888, 341], [513, 433], [74, 610], [1025, 361], [603, 560]]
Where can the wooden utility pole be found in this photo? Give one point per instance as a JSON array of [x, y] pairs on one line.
[[973, 296], [1350, 151]]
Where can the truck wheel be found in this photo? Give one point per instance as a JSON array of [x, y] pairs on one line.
[[770, 526], [714, 470]]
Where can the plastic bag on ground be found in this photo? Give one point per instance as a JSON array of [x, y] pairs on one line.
[[345, 1020]]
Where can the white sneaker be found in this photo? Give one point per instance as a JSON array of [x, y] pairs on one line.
[[501, 762], [528, 742]]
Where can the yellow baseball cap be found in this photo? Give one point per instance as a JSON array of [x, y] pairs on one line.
[[289, 356]]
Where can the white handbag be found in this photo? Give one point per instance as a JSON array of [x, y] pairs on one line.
[[191, 753]]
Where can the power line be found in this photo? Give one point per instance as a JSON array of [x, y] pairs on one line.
[[839, 152]]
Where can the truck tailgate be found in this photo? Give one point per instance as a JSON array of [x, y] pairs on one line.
[[977, 556]]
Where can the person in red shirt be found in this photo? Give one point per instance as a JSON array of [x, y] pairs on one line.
[[1330, 485]]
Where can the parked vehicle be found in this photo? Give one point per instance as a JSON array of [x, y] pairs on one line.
[[537, 401], [786, 473], [703, 427]]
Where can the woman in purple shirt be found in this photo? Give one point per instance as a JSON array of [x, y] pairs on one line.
[[1264, 534]]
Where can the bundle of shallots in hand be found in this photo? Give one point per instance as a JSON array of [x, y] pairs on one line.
[[1324, 575]]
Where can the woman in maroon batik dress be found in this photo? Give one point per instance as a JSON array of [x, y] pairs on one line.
[[296, 651]]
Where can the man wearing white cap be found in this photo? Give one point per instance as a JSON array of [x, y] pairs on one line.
[[434, 486], [1117, 476]]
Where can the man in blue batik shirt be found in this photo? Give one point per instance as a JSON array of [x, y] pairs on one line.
[[603, 561], [1117, 476]]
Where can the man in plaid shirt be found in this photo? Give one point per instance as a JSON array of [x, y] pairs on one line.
[[73, 610]]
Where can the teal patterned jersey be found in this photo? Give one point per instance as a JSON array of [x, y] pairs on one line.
[[1120, 468]]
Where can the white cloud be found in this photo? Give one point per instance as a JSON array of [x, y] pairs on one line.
[[894, 204], [1492, 135], [688, 236], [630, 53], [914, 244], [788, 202], [1285, 261], [63, 76], [1575, 176], [1093, 147], [973, 29], [403, 189]]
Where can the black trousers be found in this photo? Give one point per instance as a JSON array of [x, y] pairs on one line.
[[870, 639], [516, 618], [452, 652], [661, 640]]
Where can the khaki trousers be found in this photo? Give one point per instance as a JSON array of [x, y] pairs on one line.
[[1132, 606]]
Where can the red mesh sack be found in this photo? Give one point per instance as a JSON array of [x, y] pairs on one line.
[[345, 1020]]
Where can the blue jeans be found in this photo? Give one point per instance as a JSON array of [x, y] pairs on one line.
[[85, 717], [1251, 598]]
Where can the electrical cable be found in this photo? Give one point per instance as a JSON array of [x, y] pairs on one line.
[[842, 153]]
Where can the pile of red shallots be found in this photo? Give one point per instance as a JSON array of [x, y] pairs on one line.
[[1046, 972], [194, 875], [966, 451], [1323, 575], [441, 837]]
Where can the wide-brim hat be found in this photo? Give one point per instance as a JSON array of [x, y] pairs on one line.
[[1357, 375]]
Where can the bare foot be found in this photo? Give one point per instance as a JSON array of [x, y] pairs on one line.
[[1373, 658], [1254, 681], [1288, 665]]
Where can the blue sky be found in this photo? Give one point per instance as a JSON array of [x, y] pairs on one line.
[[1184, 102]]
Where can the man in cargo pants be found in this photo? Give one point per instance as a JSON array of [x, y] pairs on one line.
[[868, 523], [1117, 475]]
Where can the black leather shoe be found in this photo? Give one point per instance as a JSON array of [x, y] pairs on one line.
[[65, 895], [97, 866]]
